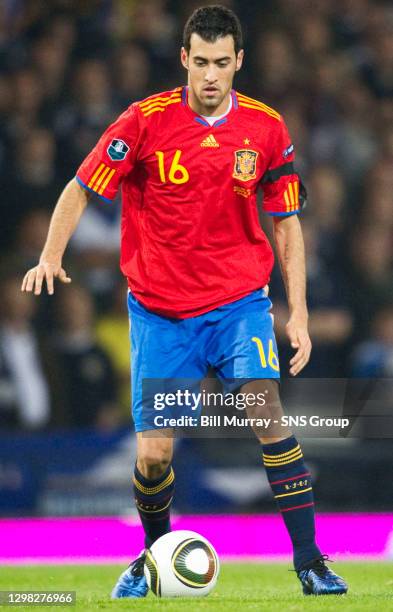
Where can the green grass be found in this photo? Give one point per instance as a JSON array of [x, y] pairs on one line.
[[261, 587]]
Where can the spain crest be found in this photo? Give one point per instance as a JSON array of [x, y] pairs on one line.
[[245, 164]]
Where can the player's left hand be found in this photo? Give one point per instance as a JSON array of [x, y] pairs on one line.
[[297, 331]]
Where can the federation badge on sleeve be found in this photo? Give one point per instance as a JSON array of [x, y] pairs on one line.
[[245, 164], [288, 151], [117, 150]]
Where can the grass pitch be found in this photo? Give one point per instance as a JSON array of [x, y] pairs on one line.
[[261, 587]]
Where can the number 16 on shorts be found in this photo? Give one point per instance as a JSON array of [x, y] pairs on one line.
[[267, 355]]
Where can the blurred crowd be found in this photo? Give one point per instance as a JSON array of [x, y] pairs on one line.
[[68, 68]]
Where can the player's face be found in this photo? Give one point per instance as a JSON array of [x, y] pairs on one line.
[[211, 67]]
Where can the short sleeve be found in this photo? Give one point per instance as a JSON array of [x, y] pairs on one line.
[[112, 158], [283, 191]]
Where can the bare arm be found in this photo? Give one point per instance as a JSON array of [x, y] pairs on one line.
[[65, 218], [290, 249]]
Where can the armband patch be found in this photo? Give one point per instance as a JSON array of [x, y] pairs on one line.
[[117, 150]]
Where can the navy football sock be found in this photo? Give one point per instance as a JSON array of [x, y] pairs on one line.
[[153, 500], [290, 481]]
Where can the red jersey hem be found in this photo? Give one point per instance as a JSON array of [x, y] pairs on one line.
[[164, 312]]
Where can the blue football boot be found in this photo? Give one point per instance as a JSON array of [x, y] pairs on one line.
[[132, 582], [317, 579]]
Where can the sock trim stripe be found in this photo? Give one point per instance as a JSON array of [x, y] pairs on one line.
[[293, 493], [296, 507], [270, 463], [296, 448], [291, 478], [152, 490], [153, 511], [278, 461], [158, 488], [283, 461]]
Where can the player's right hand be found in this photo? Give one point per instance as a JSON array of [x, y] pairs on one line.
[[35, 277]]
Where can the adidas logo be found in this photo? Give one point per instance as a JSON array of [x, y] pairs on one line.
[[210, 141]]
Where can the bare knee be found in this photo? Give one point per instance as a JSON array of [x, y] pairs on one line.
[[154, 457], [270, 405], [269, 412]]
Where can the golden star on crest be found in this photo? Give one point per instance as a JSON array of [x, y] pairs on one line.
[[246, 141]]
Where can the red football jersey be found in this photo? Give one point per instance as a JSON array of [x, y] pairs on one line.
[[191, 239]]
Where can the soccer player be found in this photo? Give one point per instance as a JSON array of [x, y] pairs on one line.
[[190, 162]]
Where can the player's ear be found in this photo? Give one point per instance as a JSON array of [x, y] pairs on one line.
[[239, 59], [184, 57]]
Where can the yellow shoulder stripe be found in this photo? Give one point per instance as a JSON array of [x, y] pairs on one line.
[[160, 103], [250, 103], [258, 102], [259, 108], [159, 106], [150, 101]]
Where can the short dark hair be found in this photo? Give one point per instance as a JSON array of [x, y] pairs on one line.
[[212, 22]]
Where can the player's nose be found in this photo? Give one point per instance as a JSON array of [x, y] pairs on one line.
[[210, 75]]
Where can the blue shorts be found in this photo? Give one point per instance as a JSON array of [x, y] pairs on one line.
[[236, 340]]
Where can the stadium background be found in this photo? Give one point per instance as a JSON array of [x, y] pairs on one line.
[[67, 70]]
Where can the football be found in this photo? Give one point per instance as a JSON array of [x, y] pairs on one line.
[[181, 564]]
